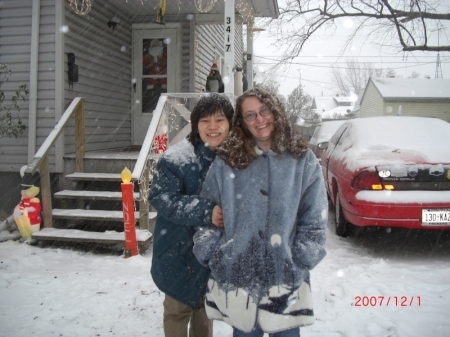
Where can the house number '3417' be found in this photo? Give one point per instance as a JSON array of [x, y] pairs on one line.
[[227, 34]]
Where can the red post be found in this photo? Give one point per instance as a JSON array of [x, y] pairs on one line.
[[131, 248]]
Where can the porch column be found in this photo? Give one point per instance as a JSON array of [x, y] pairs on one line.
[[228, 76]]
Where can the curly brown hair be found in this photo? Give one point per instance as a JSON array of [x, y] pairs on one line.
[[238, 150]]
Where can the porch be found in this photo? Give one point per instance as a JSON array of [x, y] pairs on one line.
[[89, 201]]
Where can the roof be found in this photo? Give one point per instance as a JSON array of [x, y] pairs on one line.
[[324, 103], [412, 89], [258, 8]]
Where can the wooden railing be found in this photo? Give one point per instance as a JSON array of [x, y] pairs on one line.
[[40, 159]]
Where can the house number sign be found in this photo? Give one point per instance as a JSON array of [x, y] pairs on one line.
[[227, 75], [228, 34]]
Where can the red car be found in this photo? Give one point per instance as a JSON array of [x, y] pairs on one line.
[[389, 172]]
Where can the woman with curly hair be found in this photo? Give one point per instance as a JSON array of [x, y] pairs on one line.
[[271, 191]]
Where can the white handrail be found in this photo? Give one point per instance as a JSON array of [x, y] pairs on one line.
[[146, 145], [58, 128]]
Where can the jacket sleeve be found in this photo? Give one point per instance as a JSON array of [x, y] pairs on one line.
[[205, 242], [207, 238], [308, 246], [167, 196]]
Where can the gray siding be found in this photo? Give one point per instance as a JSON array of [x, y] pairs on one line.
[[103, 57], [45, 118], [15, 47]]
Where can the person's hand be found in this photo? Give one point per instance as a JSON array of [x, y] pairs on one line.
[[217, 216]]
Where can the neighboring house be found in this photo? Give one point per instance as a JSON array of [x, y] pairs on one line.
[[118, 59], [406, 97], [328, 106]]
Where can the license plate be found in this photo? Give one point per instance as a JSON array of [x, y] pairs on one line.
[[436, 217]]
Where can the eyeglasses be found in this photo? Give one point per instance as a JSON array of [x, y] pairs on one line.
[[263, 112]]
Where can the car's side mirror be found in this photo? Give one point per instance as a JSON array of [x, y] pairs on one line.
[[323, 146]]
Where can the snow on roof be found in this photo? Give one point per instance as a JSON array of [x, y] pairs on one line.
[[324, 103], [393, 140], [341, 110], [412, 88], [342, 99]]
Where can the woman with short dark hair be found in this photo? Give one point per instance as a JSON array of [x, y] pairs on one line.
[[174, 194]]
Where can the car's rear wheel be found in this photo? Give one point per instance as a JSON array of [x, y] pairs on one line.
[[343, 227]]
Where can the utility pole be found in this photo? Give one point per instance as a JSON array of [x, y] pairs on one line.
[[300, 77], [438, 73]]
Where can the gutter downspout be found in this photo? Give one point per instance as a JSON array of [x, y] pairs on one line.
[[34, 55], [250, 55], [59, 80]]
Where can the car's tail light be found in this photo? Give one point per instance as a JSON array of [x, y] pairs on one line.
[[367, 180]]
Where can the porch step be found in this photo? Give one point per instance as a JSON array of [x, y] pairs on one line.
[[92, 211], [85, 214], [93, 195], [94, 176], [143, 237]]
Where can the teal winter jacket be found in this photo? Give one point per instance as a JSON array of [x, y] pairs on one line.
[[174, 193]]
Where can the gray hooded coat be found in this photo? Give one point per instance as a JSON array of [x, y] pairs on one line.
[[275, 215]]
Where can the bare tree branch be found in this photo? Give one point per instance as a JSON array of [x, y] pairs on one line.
[[410, 22]]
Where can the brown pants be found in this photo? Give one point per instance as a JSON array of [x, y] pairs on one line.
[[177, 316]]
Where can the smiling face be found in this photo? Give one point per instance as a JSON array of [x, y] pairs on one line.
[[213, 129], [262, 127]]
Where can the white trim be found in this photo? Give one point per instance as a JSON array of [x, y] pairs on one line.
[[192, 53], [34, 55], [59, 82], [138, 119]]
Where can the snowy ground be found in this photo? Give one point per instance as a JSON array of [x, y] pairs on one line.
[[66, 292]]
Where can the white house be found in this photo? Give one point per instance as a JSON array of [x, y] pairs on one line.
[[328, 106], [120, 56]]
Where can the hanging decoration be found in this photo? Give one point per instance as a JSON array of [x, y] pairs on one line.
[[81, 7], [204, 6], [160, 141], [161, 12]]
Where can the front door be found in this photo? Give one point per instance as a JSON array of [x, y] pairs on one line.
[[155, 63]]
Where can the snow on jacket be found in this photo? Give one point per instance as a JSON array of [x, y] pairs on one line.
[[176, 183], [275, 214]]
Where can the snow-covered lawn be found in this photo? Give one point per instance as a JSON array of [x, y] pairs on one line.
[[65, 292]]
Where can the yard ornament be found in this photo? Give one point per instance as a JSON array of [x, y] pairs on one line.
[[27, 213], [214, 81]]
